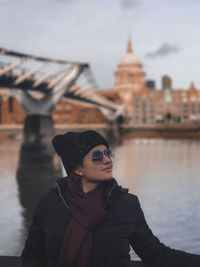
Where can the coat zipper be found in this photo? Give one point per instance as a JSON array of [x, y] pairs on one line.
[[111, 190], [61, 196], [109, 194]]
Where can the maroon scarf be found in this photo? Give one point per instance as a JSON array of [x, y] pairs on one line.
[[87, 211]]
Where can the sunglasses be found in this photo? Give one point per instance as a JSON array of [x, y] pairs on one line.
[[97, 156]]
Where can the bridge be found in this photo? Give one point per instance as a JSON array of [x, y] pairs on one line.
[[39, 83]]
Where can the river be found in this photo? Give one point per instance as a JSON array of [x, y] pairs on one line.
[[164, 174]]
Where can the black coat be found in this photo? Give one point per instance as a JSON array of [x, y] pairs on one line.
[[123, 224]]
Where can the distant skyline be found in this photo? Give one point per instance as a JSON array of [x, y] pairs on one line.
[[164, 35]]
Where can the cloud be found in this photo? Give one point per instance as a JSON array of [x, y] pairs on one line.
[[164, 50], [129, 3]]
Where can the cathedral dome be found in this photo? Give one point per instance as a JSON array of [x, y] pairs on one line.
[[129, 73], [129, 57]]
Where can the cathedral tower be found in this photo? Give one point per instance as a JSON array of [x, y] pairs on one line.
[[129, 74]]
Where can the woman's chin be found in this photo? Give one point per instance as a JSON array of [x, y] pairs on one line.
[[108, 177]]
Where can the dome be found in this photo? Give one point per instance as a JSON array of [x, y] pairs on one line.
[[129, 57]]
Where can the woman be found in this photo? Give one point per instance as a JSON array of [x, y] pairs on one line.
[[88, 219]]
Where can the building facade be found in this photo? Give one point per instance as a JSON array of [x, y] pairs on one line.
[[146, 106], [65, 113], [150, 107]]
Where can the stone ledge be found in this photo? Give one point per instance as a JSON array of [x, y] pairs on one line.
[[11, 261]]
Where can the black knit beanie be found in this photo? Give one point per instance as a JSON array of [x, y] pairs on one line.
[[73, 146]]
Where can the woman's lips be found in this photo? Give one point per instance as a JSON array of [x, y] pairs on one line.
[[108, 169]]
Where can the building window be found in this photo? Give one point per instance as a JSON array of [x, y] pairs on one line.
[[10, 104], [136, 103], [144, 103], [152, 118], [84, 110], [136, 117], [143, 120], [151, 103], [136, 106], [185, 105], [185, 109], [144, 110], [193, 107]]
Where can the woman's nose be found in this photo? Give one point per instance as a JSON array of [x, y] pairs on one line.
[[107, 159]]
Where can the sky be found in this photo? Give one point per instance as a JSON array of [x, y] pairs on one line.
[[164, 33]]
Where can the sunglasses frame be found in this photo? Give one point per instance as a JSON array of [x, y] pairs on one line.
[[104, 154]]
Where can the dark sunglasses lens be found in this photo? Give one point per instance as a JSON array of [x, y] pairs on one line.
[[97, 156], [109, 153]]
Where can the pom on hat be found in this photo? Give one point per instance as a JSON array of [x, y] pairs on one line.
[[73, 146]]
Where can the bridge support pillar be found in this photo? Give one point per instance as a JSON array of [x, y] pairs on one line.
[[113, 133], [38, 129]]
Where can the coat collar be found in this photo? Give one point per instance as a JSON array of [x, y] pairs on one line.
[[112, 190]]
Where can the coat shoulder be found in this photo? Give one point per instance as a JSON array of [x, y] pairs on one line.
[[129, 196], [53, 192], [128, 201], [49, 195], [47, 201]]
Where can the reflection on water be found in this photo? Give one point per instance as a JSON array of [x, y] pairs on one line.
[[163, 173], [36, 170], [36, 173], [11, 221], [165, 176]]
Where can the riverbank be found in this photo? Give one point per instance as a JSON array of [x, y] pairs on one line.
[[160, 131]]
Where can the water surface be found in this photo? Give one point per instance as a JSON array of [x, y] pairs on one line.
[[164, 174]]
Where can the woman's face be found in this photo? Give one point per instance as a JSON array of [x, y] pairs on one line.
[[96, 171]]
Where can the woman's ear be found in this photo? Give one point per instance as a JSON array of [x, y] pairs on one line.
[[78, 171]]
